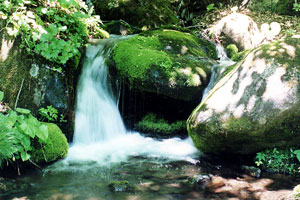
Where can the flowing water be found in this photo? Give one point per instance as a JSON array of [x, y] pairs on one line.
[[104, 151]]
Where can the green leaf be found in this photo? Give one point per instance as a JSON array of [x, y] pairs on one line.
[[24, 155], [23, 111], [1, 95], [43, 133], [27, 129], [297, 152]]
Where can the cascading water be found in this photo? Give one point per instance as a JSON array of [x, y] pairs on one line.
[[97, 117], [218, 69], [100, 134]]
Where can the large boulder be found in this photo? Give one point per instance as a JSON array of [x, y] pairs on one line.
[[144, 13], [30, 82], [238, 29], [168, 62], [255, 106]]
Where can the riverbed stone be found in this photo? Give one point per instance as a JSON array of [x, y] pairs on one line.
[[121, 186], [255, 106], [168, 62]]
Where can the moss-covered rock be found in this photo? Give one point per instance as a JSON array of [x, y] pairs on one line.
[[141, 13], [255, 106], [56, 147], [168, 62]]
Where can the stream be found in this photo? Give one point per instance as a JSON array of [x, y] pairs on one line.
[[103, 151]]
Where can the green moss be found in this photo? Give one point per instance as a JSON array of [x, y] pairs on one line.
[[240, 55], [134, 57], [231, 50], [159, 55], [152, 124], [56, 146]]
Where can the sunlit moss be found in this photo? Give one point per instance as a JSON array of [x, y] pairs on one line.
[[56, 146]]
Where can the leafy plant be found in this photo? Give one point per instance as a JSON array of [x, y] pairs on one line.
[[211, 7], [51, 115], [1, 95], [17, 130], [279, 160], [54, 29], [296, 6]]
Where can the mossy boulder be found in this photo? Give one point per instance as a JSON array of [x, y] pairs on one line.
[[168, 62], [255, 106], [56, 147], [141, 13]]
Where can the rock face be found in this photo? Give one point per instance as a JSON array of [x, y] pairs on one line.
[[167, 62], [255, 106], [238, 29], [28, 81]]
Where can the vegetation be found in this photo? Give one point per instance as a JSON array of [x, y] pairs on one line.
[[56, 30], [20, 130], [279, 160], [153, 124], [53, 148], [51, 114], [231, 50]]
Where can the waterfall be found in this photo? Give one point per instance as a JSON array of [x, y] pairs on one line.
[[97, 117], [218, 69], [100, 134]]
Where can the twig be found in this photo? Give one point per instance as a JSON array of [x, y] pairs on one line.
[[34, 164], [16, 104]]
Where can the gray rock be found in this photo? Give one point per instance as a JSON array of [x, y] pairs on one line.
[[255, 106]]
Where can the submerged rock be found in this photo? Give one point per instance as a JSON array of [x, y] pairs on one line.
[[255, 106], [121, 186], [168, 62]]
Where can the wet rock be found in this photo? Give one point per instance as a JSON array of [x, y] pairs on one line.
[[252, 171], [121, 186], [199, 181], [10, 185], [254, 107]]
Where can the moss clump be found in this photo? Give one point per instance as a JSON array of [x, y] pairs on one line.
[[231, 50], [56, 146], [152, 124], [135, 56]]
